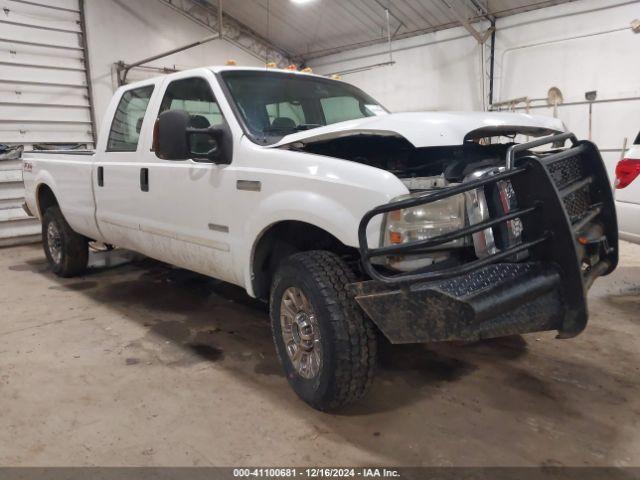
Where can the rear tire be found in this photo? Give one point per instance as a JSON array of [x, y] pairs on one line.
[[67, 251], [314, 318]]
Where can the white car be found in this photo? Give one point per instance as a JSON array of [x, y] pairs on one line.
[[351, 222], [628, 193]]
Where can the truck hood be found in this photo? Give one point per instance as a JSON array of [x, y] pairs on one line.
[[432, 129]]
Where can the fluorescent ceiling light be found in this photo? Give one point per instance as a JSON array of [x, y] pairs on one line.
[[301, 1]]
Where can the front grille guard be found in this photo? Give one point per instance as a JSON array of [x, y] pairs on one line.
[[367, 253], [540, 208]]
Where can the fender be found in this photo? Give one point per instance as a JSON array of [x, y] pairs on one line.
[[44, 178], [318, 210], [329, 193]]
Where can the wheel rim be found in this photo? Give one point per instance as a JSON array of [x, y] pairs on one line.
[[54, 242], [300, 333]]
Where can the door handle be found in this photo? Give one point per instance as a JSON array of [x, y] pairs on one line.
[[144, 179], [101, 176]]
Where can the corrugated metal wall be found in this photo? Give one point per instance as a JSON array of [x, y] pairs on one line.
[[45, 96], [16, 226]]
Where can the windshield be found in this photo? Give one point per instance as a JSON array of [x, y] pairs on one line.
[[273, 104]]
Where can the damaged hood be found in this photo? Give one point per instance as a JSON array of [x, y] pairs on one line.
[[432, 129]]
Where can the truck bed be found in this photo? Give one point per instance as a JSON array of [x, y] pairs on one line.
[[68, 173]]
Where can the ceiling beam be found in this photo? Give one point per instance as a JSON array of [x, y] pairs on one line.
[[464, 21], [387, 8]]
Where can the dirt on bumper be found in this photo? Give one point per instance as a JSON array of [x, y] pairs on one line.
[[498, 300]]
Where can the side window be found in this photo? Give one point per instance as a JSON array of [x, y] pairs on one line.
[[339, 109], [285, 114], [193, 95], [127, 121]]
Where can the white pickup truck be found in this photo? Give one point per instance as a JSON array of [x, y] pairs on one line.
[[351, 222]]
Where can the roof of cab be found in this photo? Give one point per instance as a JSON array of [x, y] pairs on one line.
[[225, 68], [217, 69]]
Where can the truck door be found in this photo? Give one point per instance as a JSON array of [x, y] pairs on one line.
[[115, 169], [185, 204]]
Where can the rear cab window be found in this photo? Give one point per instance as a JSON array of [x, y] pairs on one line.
[[340, 109], [287, 113], [127, 121]]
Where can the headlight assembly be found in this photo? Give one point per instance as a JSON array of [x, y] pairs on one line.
[[430, 220], [423, 222]]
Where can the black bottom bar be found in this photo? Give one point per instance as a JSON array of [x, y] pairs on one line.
[[497, 300]]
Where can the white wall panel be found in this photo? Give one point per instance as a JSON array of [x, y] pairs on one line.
[[20, 72], [45, 133], [53, 19], [12, 92], [439, 71], [19, 32], [51, 59]]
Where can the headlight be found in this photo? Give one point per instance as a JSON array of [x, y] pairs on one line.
[[430, 220], [424, 221]]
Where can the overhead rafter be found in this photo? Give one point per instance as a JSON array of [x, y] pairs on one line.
[[237, 32], [387, 7], [306, 31], [465, 22]]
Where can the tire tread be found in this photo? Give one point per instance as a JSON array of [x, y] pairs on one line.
[[355, 336], [75, 255]]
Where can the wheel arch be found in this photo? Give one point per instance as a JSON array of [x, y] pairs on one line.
[[283, 238], [45, 198]]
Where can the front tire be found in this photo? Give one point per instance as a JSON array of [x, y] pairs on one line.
[[326, 345], [66, 250]]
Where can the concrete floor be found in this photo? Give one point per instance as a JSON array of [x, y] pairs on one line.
[[143, 364]]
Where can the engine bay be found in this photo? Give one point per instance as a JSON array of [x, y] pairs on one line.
[[396, 155]]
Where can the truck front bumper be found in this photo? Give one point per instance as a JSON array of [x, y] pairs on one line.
[[494, 301], [570, 237]]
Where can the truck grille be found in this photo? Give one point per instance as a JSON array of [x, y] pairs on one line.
[[577, 204], [565, 173]]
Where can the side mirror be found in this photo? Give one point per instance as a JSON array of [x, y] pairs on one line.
[[175, 139], [205, 143]]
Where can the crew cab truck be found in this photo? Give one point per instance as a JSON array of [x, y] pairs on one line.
[[351, 222]]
